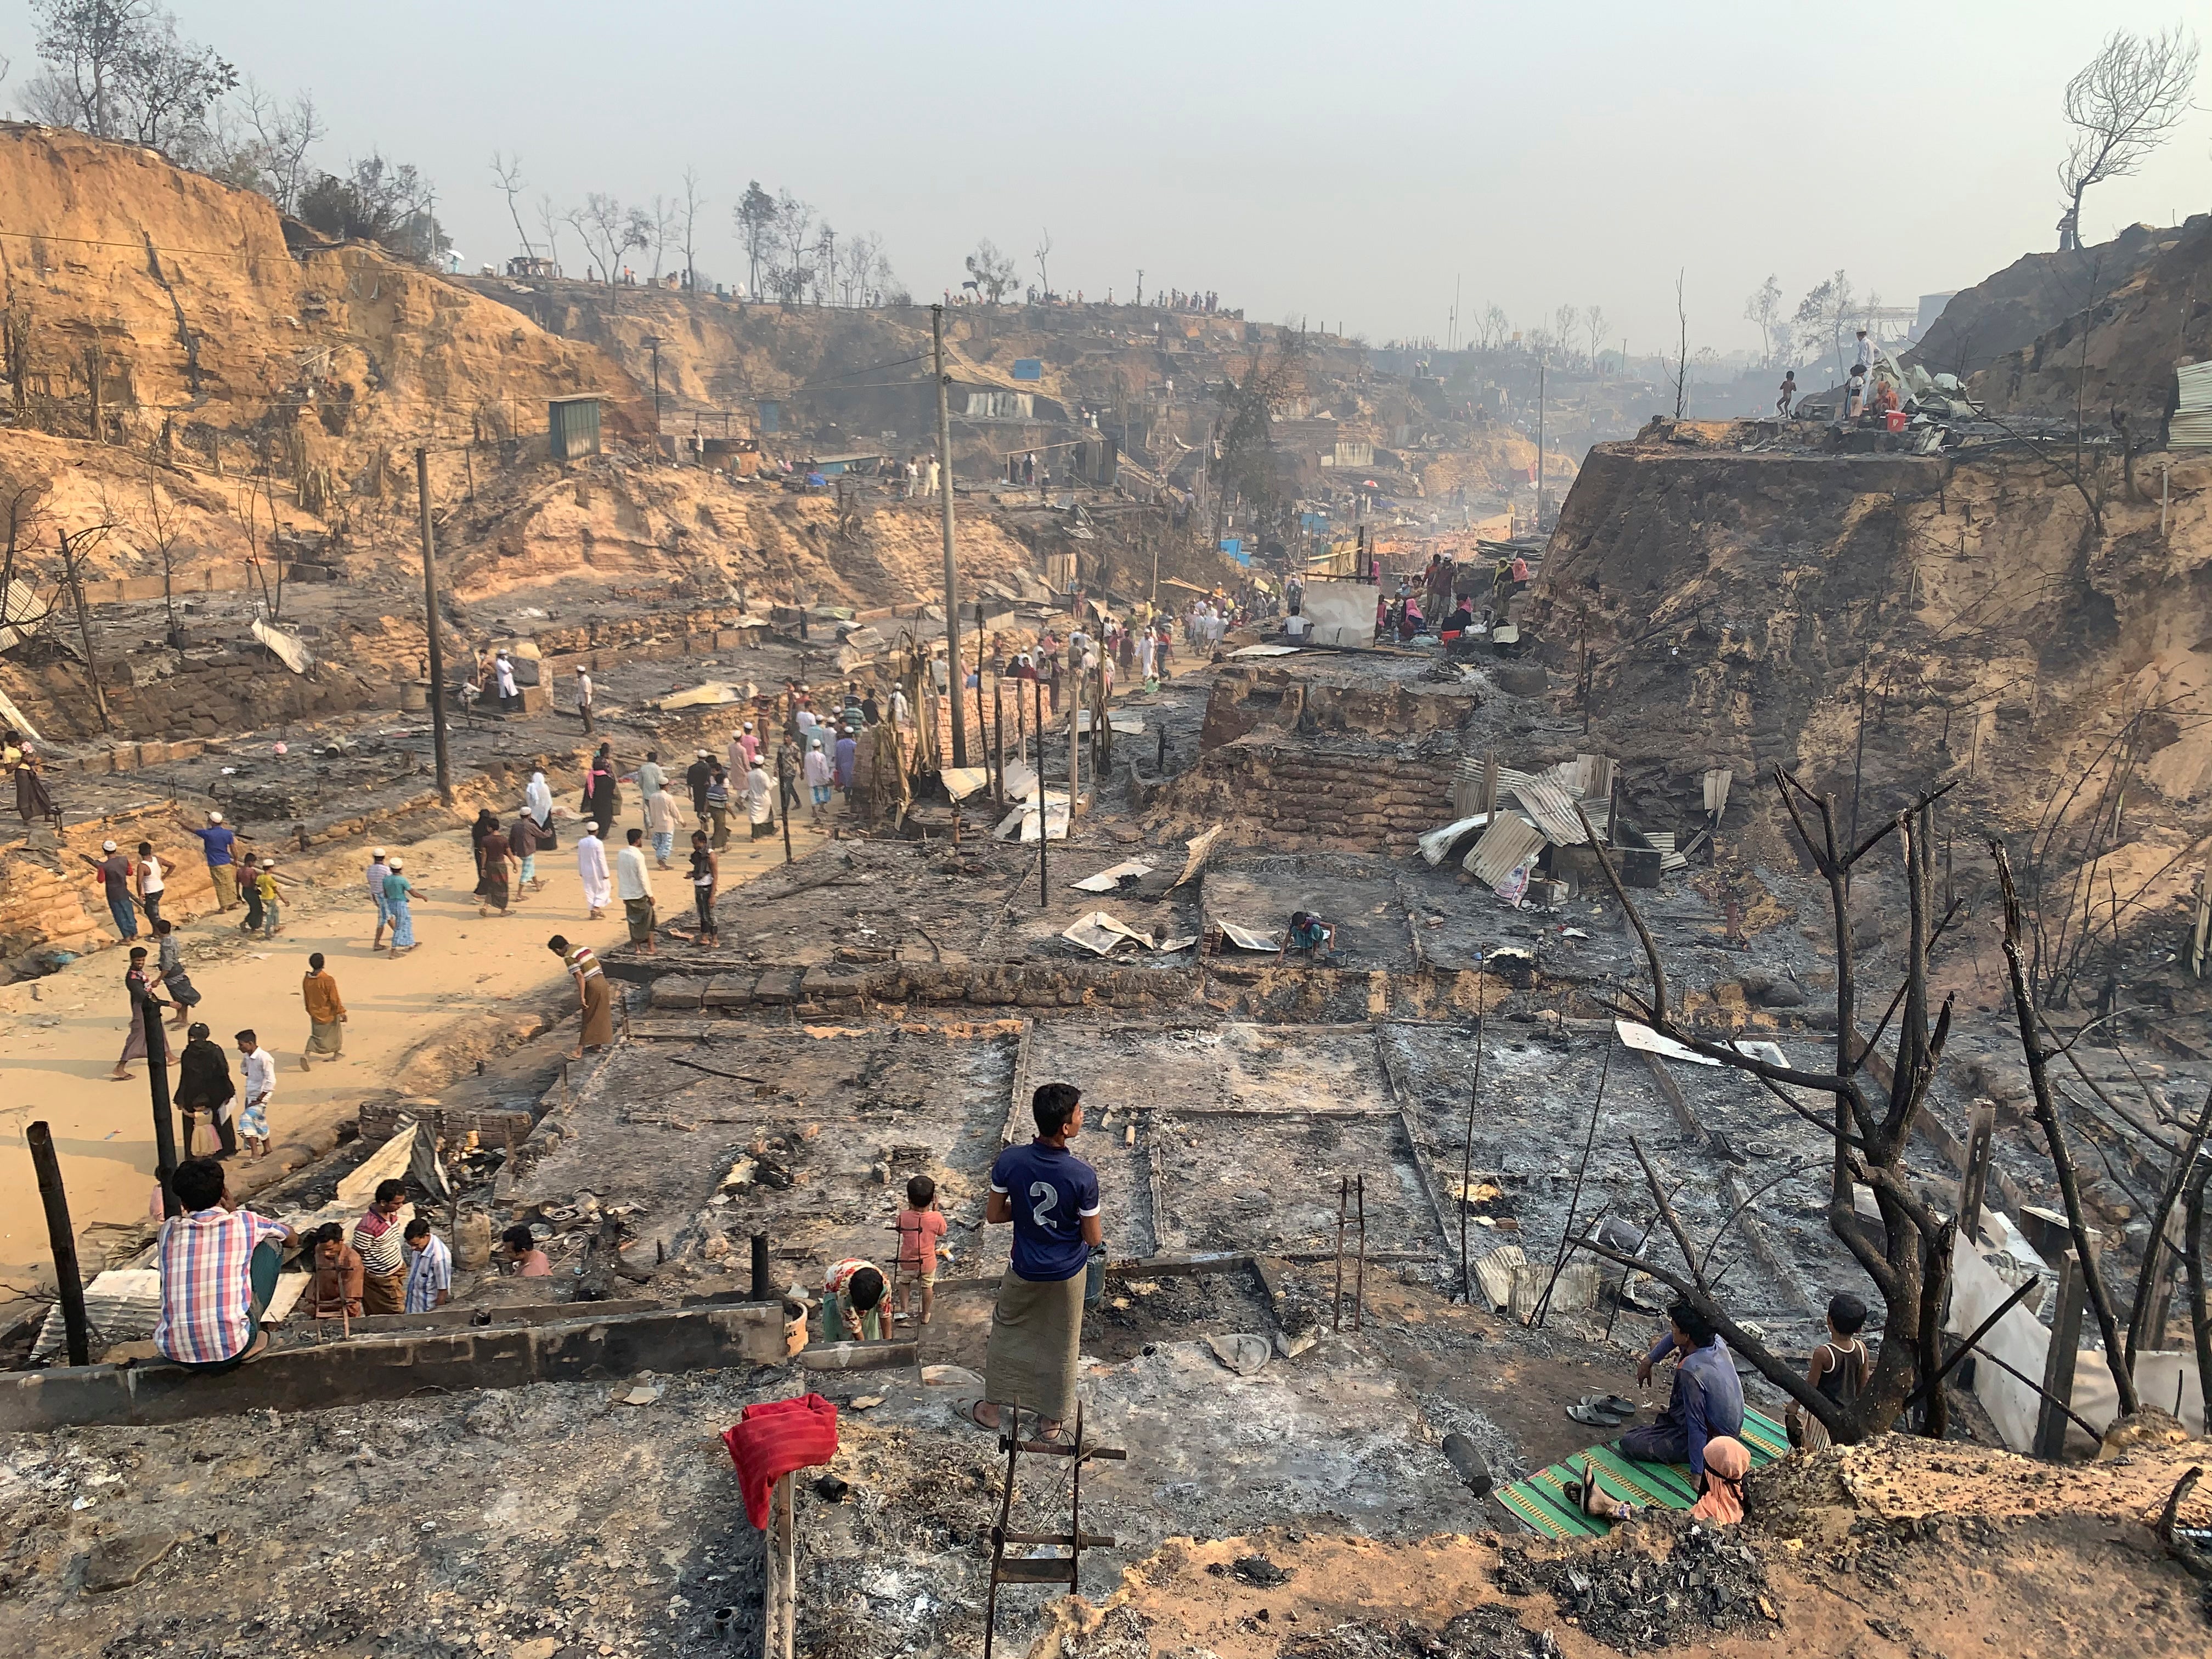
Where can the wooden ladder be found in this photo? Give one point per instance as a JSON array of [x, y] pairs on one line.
[[1040, 1568]]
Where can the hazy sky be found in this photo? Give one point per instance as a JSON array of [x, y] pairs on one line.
[[1342, 162]]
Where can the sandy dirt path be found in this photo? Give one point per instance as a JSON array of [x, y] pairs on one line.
[[65, 1030]]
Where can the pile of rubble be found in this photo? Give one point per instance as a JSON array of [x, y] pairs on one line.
[[1671, 1582]]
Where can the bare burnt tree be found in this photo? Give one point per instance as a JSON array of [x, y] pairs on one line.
[[2077, 906], [609, 229], [695, 197], [1682, 354], [507, 172], [1763, 308], [1868, 1127], [2122, 105], [2032, 1035], [1044, 271]]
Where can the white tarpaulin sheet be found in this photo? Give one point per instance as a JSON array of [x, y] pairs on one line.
[[710, 695], [1248, 938], [1023, 819], [1342, 613], [1099, 933], [1644, 1040], [1110, 878], [1199, 846], [1436, 845], [2023, 1342], [293, 655]]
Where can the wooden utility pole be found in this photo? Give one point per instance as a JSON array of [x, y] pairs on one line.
[[951, 572], [165, 1122], [62, 1240], [1044, 812], [430, 631], [1540, 444], [1074, 738], [999, 734]]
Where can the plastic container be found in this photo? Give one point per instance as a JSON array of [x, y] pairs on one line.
[[1894, 419]]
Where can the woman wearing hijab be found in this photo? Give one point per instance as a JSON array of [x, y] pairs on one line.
[[1720, 1488], [493, 886], [538, 801], [819, 775], [591, 866], [398, 891], [601, 798], [206, 1090], [487, 825]]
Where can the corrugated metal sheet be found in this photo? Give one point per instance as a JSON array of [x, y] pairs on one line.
[[1503, 848], [1554, 809], [2191, 426]]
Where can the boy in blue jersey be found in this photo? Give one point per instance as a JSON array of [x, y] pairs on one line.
[[1051, 1197]]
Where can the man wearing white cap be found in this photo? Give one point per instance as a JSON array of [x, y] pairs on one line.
[[116, 874], [378, 870], [591, 866], [216, 840]]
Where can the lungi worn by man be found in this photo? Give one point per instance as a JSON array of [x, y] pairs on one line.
[[1707, 1402], [1051, 1197]]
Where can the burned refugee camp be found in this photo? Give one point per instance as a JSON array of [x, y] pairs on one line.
[[1082, 836]]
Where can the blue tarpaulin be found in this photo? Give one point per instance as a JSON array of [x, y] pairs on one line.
[[1029, 369], [1234, 547]]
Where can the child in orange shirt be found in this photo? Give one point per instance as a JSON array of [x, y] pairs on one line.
[[921, 1225]]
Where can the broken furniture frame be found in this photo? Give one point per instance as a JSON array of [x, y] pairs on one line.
[[1037, 1569]]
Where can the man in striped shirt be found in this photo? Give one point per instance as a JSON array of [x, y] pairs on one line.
[[218, 1267], [377, 1236]]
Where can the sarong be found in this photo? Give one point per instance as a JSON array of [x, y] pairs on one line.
[[1036, 1332]]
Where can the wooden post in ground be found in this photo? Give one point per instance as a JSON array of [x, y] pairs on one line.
[[955, 690], [1044, 813], [780, 1586], [436, 649], [2058, 1367], [999, 737], [62, 1240], [1973, 1180]]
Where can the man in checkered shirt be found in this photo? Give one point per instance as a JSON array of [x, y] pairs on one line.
[[218, 1267]]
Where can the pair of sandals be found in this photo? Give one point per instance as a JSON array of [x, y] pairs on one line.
[[1591, 1497], [966, 1410], [1603, 1411]]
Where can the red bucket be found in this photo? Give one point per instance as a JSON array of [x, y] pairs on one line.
[[1895, 418]]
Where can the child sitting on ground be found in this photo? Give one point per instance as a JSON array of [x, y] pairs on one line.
[[921, 1225]]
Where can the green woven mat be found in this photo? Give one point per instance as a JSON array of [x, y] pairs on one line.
[[1540, 1502]]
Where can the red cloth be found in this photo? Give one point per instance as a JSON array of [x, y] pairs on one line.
[[774, 1437]]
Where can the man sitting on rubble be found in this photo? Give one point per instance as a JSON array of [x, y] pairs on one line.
[[218, 1267], [1707, 1401]]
